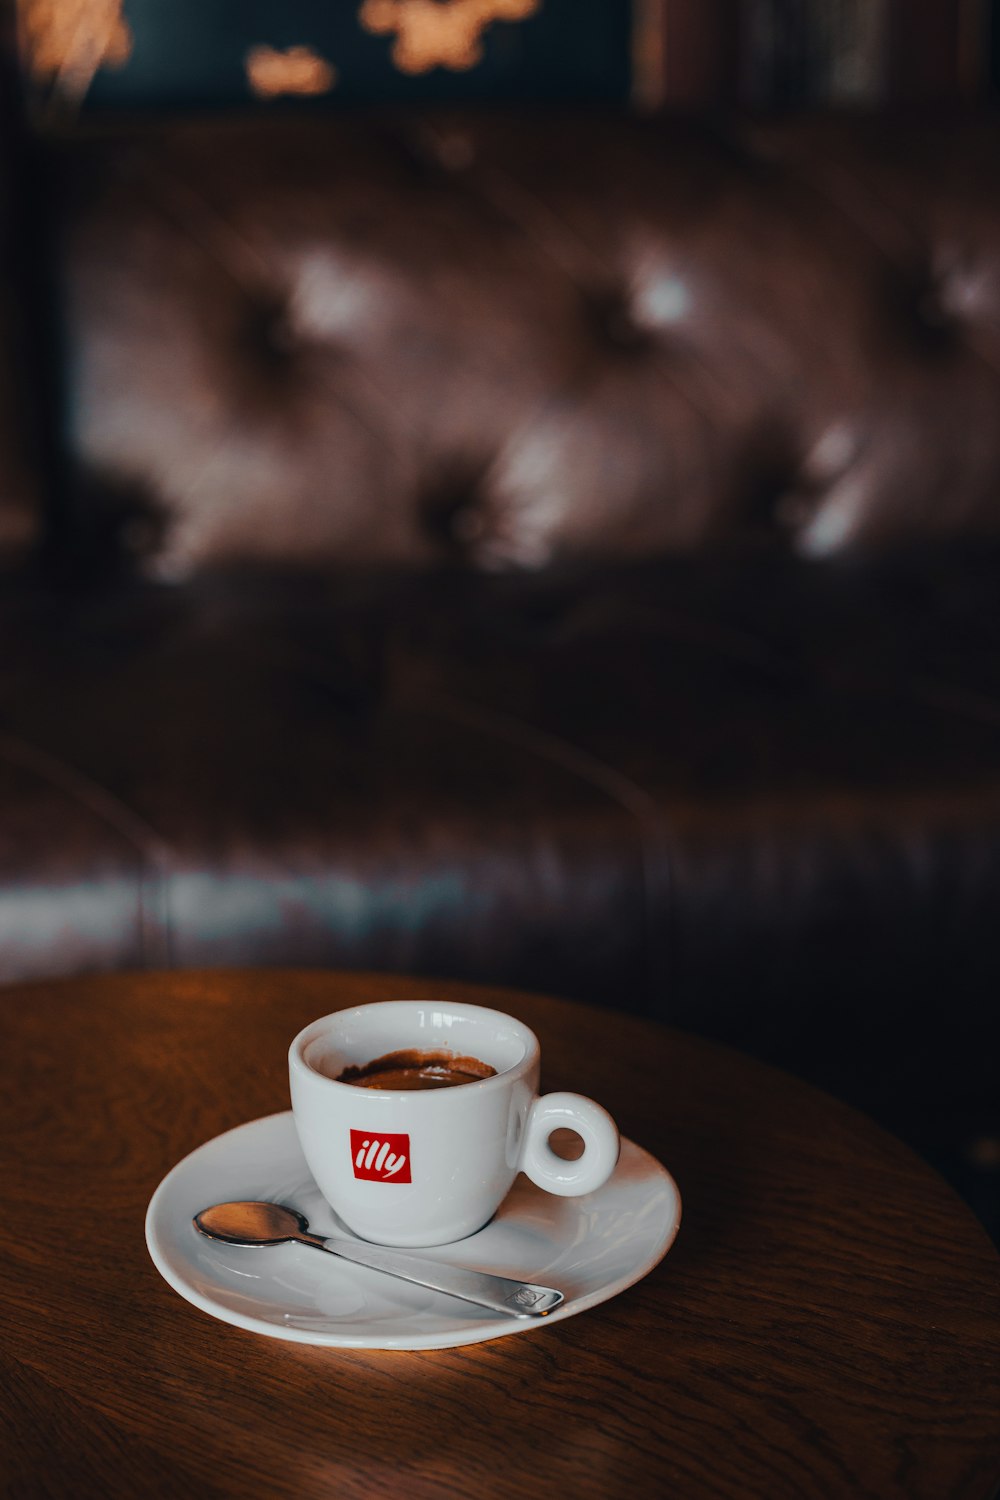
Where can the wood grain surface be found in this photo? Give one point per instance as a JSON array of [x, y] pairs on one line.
[[827, 1324]]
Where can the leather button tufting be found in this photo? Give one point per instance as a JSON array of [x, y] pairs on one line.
[[923, 319], [611, 320], [596, 334], [935, 318], [267, 329]]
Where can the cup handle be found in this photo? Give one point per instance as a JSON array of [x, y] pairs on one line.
[[568, 1179]]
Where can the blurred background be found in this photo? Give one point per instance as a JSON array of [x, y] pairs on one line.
[[688, 54], [510, 489]]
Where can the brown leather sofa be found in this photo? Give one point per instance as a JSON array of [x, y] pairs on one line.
[[550, 550]]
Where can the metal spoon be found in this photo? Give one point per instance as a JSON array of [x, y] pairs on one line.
[[271, 1224]]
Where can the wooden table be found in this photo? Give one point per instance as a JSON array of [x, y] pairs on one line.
[[827, 1324]]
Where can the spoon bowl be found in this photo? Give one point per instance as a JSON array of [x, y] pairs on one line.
[[252, 1223]]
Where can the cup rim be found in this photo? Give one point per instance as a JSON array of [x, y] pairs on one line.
[[297, 1062]]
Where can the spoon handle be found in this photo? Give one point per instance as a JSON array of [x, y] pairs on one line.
[[518, 1299]]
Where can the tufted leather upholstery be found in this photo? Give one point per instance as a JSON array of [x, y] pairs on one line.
[[514, 341]]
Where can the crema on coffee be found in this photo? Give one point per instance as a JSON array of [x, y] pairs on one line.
[[412, 1069]]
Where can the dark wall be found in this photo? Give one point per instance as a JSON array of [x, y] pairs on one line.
[[194, 53], [782, 55]]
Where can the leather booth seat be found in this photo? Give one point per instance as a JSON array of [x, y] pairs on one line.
[[507, 342], [557, 551]]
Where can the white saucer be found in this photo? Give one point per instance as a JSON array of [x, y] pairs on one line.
[[591, 1248]]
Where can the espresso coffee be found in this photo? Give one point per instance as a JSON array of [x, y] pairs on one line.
[[413, 1069]]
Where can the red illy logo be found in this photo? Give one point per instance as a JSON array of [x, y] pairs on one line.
[[380, 1158]]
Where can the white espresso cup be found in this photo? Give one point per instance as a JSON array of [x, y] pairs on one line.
[[423, 1167]]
